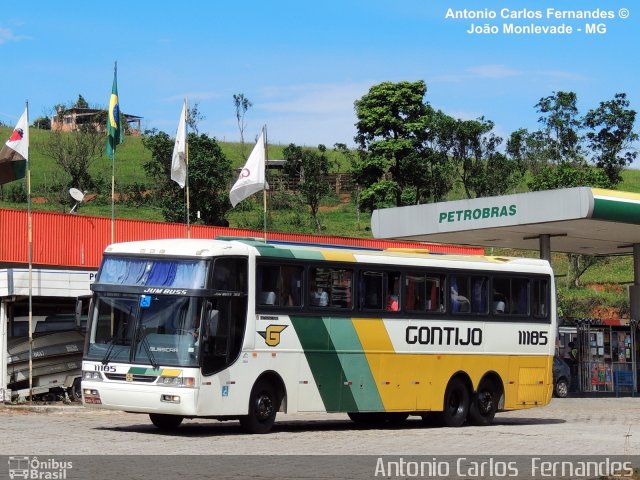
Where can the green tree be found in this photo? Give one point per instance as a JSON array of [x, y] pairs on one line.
[[483, 170], [611, 136], [566, 175], [560, 118], [194, 116], [209, 178], [564, 133], [529, 149], [434, 171], [81, 102], [75, 152], [310, 169], [560, 143], [42, 123], [391, 117], [241, 104]]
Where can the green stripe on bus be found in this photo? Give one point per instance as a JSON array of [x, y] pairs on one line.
[[354, 364], [616, 210], [324, 363], [269, 251], [143, 371], [308, 254]]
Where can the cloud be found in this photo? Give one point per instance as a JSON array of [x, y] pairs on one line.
[[499, 71], [193, 96], [312, 98], [494, 71], [7, 35]]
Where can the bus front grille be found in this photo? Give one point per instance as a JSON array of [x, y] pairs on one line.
[[122, 377]]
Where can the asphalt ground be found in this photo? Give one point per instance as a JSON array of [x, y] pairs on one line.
[[570, 426]]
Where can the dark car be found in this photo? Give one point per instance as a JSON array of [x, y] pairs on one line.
[[561, 377]]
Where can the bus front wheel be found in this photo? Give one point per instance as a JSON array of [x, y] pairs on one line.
[[165, 422], [263, 406], [456, 404]]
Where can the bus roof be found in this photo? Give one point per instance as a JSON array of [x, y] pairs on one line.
[[245, 246]]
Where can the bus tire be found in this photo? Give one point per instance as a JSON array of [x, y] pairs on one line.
[[76, 389], [456, 404], [263, 407], [166, 422], [484, 404]]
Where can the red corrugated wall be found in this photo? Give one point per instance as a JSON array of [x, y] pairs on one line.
[[78, 241]]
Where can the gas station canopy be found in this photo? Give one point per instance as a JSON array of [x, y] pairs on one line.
[[573, 220]]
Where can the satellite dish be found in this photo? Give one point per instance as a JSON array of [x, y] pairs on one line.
[[78, 196]]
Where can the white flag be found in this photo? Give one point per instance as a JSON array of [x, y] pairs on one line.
[[251, 178], [178, 162]]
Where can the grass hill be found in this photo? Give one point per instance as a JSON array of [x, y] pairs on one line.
[[338, 215]]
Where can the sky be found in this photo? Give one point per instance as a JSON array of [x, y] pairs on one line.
[[303, 64]]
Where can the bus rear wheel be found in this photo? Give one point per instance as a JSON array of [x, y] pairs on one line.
[[456, 404], [484, 404], [166, 422], [263, 406]]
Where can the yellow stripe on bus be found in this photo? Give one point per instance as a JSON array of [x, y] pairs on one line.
[[337, 256], [416, 381], [396, 376]]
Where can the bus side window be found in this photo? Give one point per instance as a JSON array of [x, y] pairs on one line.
[[459, 287], [291, 292], [424, 292], [330, 287], [479, 294], [540, 297], [267, 284]]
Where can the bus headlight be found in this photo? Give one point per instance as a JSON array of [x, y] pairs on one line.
[[188, 382], [92, 376]]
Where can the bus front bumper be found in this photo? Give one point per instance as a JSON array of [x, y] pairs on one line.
[[140, 398]]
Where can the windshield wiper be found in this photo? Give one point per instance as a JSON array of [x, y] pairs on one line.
[[112, 344], [142, 338]]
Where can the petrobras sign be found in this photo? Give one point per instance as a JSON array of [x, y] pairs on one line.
[[463, 215], [480, 213]]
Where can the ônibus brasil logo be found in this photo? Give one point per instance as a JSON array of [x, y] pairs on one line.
[[32, 467]]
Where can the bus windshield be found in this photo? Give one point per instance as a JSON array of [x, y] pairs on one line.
[[145, 329]]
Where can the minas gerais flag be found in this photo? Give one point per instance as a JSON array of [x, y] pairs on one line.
[[15, 152], [115, 128]]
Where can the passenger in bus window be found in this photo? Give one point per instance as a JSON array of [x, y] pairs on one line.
[[499, 304], [286, 298], [392, 303], [320, 298], [459, 303]]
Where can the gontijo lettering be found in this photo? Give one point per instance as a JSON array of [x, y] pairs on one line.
[[477, 213]]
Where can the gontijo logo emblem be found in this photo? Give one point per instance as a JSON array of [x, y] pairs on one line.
[[272, 334]]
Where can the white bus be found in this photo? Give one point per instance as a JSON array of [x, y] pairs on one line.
[[240, 329]]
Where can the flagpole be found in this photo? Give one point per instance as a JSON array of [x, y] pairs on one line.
[[113, 173], [30, 261], [186, 160], [264, 190]]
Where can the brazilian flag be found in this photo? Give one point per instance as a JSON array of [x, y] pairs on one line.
[[115, 128]]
